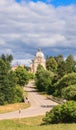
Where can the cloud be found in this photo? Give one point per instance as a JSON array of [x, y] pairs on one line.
[[26, 60], [28, 25]]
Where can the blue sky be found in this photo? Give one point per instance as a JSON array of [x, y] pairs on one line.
[[28, 25], [56, 2]]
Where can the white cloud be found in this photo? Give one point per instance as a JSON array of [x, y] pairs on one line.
[[2, 41], [36, 25], [26, 61]]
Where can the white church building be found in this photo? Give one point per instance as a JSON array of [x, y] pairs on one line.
[[38, 59]]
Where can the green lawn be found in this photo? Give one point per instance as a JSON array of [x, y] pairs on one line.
[[33, 124]]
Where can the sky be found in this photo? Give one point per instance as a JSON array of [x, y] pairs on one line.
[[26, 25]]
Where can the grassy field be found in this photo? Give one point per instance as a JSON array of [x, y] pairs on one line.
[[33, 123], [13, 107]]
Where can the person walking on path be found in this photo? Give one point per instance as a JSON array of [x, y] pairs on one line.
[[19, 113], [27, 100]]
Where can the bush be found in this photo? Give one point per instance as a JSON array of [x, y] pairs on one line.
[[18, 97], [65, 113], [65, 81], [69, 92]]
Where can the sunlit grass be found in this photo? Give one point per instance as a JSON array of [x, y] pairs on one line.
[[33, 123], [13, 107]]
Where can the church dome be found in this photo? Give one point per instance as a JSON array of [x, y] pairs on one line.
[[39, 53]]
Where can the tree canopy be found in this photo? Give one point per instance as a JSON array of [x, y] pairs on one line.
[[8, 87]]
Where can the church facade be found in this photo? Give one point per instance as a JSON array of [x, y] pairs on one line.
[[38, 59]]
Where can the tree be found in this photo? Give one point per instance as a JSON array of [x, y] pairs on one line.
[[7, 84], [21, 76], [70, 64], [8, 90], [43, 80], [65, 67], [9, 87], [65, 81], [18, 96], [38, 79], [61, 70], [59, 59], [51, 64], [6, 58], [61, 66]]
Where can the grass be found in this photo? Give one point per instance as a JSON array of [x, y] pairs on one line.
[[13, 107], [33, 123]]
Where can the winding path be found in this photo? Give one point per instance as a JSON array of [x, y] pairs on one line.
[[39, 105]]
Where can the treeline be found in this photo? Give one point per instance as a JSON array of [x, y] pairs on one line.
[[12, 82], [59, 80], [60, 77]]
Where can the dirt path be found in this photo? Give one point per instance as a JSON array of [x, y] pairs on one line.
[[39, 105]]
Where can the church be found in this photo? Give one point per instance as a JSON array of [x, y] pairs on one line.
[[38, 59]]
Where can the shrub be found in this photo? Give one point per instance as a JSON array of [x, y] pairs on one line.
[[65, 113], [18, 97], [65, 81], [69, 92]]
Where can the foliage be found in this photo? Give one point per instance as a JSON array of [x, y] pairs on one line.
[[21, 76], [65, 81], [51, 64], [9, 87], [65, 113], [7, 83], [59, 59], [18, 96], [65, 66], [61, 70], [6, 58], [43, 80], [70, 64], [27, 68], [31, 76], [69, 92], [8, 90]]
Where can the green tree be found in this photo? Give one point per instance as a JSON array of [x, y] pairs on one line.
[[59, 59], [70, 64], [6, 58], [65, 81], [61, 70], [7, 83], [18, 96], [43, 80], [38, 76], [3, 75], [51, 64], [9, 87], [61, 66], [22, 76]]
